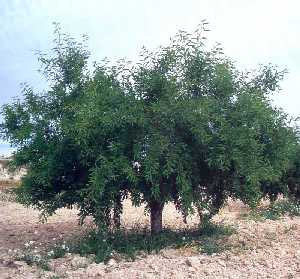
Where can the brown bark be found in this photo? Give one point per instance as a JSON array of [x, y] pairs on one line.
[[156, 209], [117, 212]]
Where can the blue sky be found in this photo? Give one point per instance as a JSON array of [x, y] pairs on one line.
[[5, 149], [251, 32]]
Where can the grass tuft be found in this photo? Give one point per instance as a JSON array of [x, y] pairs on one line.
[[33, 259], [104, 245], [212, 235], [274, 211], [7, 195], [131, 244]]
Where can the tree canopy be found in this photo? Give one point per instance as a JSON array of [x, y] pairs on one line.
[[182, 124]]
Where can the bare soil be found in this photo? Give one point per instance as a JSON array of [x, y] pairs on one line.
[[266, 249]]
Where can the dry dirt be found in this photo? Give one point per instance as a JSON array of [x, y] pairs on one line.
[[269, 249]]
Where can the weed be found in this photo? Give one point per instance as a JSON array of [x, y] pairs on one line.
[[274, 211], [211, 246], [288, 229], [271, 235], [58, 251], [211, 229], [7, 195], [54, 277], [212, 236], [34, 259], [283, 207], [40, 259], [130, 244]]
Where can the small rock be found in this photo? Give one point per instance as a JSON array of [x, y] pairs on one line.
[[57, 267], [111, 262], [153, 267], [11, 264], [95, 270], [79, 262], [19, 263], [76, 274], [192, 262], [149, 276], [192, 269], [221, 263]]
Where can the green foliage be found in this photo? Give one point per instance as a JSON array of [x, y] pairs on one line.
[[289, 183], [58, 250], [212, 237], [181, 125], [41, 258], [292, 177], [276, 210], [209, 228], [36, 124], [32, 258]]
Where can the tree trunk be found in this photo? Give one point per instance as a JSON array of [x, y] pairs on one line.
[[117, 212], [156, 217]]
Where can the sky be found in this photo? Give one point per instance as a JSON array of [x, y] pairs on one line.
[[252, 32]]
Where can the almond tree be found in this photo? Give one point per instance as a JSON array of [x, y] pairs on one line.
[[181, 125]]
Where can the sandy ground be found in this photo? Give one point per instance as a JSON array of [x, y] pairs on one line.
[[269, 249]]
